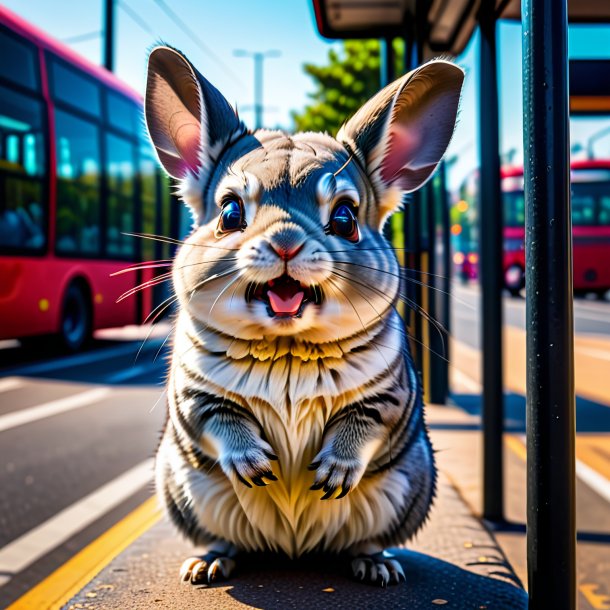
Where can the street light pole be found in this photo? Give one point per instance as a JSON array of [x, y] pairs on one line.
[[259, 58], [109, 34]]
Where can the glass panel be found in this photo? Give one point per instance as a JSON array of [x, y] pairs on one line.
[[22, 166], [583, 210], [74, 88], [18, 61], [604, 211], [164, 228], [120, 221], [121, 207], [514, 209], [78, 185], [22, 147], [120, 165], [148, 189], [122, 113], [586, 196]]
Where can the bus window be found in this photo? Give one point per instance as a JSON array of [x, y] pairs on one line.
[[149, 196], [120, 211], [72, 87], [78, 185], [604, 211], [122, 113], [164, 223], [23, 207], [587, 203], [513, 203], [19, 61]]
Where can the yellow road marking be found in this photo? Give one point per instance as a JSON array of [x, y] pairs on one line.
[[594, 450], [597, 600], [55, 590], [516, 446]]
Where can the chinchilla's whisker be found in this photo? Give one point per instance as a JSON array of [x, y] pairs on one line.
[[403, 277], [435, 323], [228, 285], [359, 318], [154, 315], [148, 284], [178, 242], [144, 265]]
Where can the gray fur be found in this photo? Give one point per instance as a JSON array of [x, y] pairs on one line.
[[270, 414]]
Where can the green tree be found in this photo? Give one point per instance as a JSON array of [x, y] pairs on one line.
[[350, 78]]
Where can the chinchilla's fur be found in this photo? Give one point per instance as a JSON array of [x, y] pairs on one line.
[[291, 380]]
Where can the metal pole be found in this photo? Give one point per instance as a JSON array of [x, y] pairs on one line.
[[438, 265], [491, 248], [109, 35], [387, 62], [258, 89], [551, 533], [258, 58]]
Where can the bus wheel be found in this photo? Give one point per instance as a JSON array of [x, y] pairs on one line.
[[514, 280], [75, 326]]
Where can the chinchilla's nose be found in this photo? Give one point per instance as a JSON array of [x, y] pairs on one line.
[[286, 241]]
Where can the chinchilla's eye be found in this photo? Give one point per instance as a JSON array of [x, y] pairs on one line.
[[231, 216], [343, 221]]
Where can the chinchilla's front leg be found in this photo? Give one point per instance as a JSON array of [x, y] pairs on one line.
[[230, 434], [350, 440]]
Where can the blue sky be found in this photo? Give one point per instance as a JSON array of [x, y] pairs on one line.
[[289, 27]]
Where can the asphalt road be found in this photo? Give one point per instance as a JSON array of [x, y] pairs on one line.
[[77, 435], [591, 317]]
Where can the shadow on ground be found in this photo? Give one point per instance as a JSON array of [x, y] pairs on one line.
[[267, 584], [590, 416]]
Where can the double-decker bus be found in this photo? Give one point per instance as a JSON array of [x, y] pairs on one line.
[[76, 176], [590, 186]]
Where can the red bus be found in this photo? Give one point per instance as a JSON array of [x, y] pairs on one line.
[[590, 226], [76, 175]]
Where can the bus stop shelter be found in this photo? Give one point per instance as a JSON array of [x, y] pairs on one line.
[[437, 27]]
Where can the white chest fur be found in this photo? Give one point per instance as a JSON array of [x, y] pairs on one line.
[[293, 397]]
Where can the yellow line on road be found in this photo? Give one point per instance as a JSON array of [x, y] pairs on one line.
[[599, 601], [516, 446], [594, 450], [55, 590]]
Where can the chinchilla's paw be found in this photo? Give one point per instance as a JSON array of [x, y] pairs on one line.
[[207, 569], [250, 465], [335, 473], [378, 569]]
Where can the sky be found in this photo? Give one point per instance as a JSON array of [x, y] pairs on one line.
[[222, 27], [288, 26], [584, 42]]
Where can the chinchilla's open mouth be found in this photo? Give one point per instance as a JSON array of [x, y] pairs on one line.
[[284, 296]]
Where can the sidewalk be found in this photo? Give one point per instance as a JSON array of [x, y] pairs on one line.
[[454, 562]]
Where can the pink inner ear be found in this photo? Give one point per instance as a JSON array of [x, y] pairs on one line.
[[403, 143], [187, 141]]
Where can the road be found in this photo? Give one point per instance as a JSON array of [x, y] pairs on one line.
[[592, 381], [77, 435]]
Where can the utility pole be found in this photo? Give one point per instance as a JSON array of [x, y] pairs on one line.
[[109, 6], [259, 58]]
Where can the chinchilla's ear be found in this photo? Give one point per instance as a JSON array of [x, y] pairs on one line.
[[401, 134], [188, 120]]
